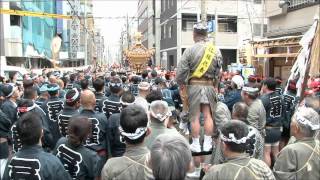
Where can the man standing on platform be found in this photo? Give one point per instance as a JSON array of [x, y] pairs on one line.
[[198, 71]]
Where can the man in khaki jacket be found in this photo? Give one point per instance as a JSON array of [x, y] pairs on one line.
[[301, 159], [133, 129], [238, 164]]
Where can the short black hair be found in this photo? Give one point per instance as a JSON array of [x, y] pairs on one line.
[[154, 73], [30, 93], [29, 128], [78, 130], [241, 110], [127, 97], [115, 89], [131, 118], [271, 83], [144, 74], [65, 80], [159, 80], [124, 79], [135, 79], [113, 73], [12, 74], [200, 32], [153, 96], [98, 84], [73, 77], [49, 74], [84, 83], [27, 83], [239, 129]]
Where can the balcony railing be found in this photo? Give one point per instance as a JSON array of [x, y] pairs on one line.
[[302, 3]]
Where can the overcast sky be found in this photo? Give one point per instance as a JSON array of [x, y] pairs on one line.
[[110, 27]]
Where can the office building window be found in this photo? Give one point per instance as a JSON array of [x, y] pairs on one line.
[[227, 24], [163, 32], [170, 32], [257, 29], [188, 25], [163, 5], [257, 1], [15, 20], [145, 35]]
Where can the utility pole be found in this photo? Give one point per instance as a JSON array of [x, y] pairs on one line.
[[128, 39], [263, 17], [203, 12]]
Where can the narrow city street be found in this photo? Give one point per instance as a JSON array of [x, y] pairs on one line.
[[159, 89]]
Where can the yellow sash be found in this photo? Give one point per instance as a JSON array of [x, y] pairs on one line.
[[206, 61]]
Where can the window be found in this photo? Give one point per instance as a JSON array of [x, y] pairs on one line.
[[39, 28], [163, 5], [227, 24], [256, 29], [14, 20], [257, 1], [188, 25], [168, 2], [170, 31], [172, 2], [145, 35], [171, 62], [163, 32]]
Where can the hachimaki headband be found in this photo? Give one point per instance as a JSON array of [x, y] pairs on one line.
[[232, 138], [74, 97], [300, 119], [26, 109], [250, 89], [136, 135]]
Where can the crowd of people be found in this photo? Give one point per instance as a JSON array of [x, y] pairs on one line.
[[122, 125]]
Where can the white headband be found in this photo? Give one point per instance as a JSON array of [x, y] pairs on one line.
[[14, 88], [136, 135], [125, 103], [159, 116], [26, 109], [300, 119], [250, 89], [73, 98], [233, 139]]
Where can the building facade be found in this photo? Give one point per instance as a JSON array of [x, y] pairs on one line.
[[25, 40], [291, 18], [288, 21], [84, 40], [11, 36], [235, 22], [149, 26]]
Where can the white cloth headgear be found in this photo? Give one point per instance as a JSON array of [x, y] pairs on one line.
[[233, 139], [238, 80], [160, 110], [302, 120], [136, 135]]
